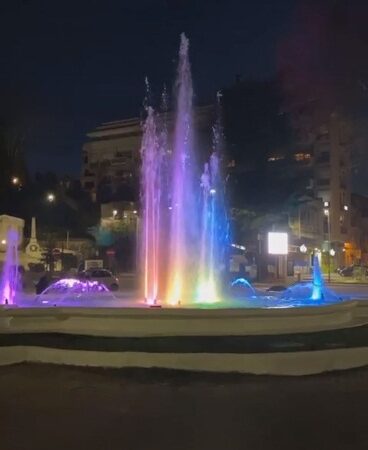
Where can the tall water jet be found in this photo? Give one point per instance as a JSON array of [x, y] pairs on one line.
[[214, 224], [10, 276], [317, 281], [183, 210], [209, 262], [151, 199]]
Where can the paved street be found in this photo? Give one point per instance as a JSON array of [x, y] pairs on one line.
[[65, 408]]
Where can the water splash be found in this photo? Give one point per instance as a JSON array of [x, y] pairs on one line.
[[244, 286], [317, 281], [10, 278]]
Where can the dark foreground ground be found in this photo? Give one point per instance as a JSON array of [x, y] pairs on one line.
[[50, 407]]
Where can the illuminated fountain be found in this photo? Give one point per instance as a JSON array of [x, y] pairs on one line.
[[184, 222], [10, 277], [311, 293], [213, 237], [184, 212], [151, 198], [317, 281], [184, 227]]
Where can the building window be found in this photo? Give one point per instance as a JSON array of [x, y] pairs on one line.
[[122, 154], [275, 158], [343, 230], [325, 225], [323, 157], [302, 156], [323, 182]]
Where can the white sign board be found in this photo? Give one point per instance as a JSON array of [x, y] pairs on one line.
[[278, 243]]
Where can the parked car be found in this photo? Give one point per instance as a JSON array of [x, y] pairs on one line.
[[102, 276], [353, 270], [277, 288]]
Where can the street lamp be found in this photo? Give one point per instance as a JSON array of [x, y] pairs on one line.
[[114, 213], [332, 252], [50, 197], [326, 212], [15, 181], [303, 248]]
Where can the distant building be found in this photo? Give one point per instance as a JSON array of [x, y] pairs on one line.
[[357, 248], [332, 168], [115, 215], [328, 138], [111, 156], [8, 223]]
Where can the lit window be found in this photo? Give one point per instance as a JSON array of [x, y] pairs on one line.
[[302, 156], [275, 158]]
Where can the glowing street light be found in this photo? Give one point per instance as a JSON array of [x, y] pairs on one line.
[[50, 197], [212, 191], [326, 212], [278, 243], [332, 252], [303, 248], [15, 181], [114, 213], [346, 208], [3, 242]]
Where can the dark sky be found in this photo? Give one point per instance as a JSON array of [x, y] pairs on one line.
[[66, 66]]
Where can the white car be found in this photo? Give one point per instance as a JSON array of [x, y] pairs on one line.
[[102, 276]]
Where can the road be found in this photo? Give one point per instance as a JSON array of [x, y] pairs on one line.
[[66, 408]]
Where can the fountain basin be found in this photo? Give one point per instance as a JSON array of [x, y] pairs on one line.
[[273, 341]]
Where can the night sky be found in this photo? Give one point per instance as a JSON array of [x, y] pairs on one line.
[[67, 66]]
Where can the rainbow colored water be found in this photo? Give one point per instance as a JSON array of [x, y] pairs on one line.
[[184, 221]]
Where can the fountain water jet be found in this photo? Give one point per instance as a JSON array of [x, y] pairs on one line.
[[151, 198], [10, 276], [317, 280], [182, 182]]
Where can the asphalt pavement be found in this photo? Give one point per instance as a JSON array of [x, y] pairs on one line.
[[66, 408]]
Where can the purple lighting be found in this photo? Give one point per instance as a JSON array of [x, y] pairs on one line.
[[73, 292], [72, 285], [10, 277]]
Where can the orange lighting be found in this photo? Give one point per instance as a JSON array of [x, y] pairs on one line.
[[302, 156]]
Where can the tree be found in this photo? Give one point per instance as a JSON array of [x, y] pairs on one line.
[[254, 124]]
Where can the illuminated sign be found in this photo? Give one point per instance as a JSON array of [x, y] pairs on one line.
[[278, 243]]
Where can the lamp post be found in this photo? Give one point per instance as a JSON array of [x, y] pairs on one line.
[[326, 211], [50, 197]]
